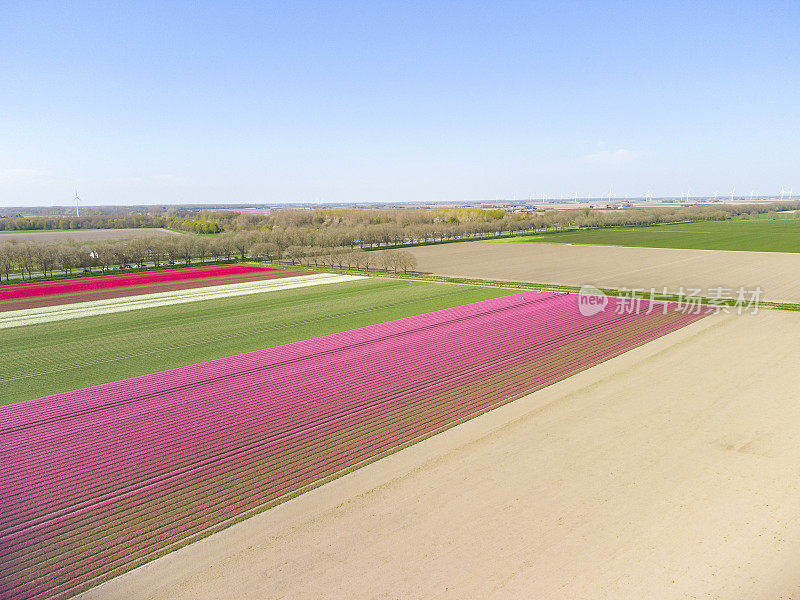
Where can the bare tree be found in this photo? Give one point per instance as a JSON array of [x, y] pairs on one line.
[[406, 261], [386, 260], [223, 247], [241, 243], [26, 258], [260, 250], [67, 256], [203, 248], [272, 251], [155, 250], [120, 253], [86, 258], [138, 250], [172, 250], [349, 259], [367, 260], [295, 254], [105, 254], [6, 259], [186, 248]]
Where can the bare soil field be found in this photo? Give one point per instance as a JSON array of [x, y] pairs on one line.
[[777, 273], [667, 472], [84, 235]]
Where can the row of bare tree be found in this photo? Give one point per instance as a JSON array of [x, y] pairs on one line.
[[29, 259], [395, 261]]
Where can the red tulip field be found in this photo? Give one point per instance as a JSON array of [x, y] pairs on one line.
[[97, 481], [21, 296]]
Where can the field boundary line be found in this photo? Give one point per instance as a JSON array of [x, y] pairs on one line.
[[114, 305], [555, 287], [217, 337]]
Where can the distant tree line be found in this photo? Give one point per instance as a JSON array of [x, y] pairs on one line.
[[340, 227], [65, 223], [365, 228], [329, 237]]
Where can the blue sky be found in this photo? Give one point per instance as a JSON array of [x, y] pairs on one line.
[[254, 102]]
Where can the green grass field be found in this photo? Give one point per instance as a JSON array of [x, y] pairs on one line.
[[757, 235], [39, 360]]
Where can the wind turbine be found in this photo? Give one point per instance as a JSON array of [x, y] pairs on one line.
[[791, 192], [687, 195], [576, 198], [752, 193], [733, 191], [77, 199], [783, 191], [715, 196]]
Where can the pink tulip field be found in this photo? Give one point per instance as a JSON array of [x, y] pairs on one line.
[[100, 480]]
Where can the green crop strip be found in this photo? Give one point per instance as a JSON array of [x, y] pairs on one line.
[[753, 235], [45, 359]]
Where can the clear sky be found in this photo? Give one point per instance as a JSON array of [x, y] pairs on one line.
[[255, 102]]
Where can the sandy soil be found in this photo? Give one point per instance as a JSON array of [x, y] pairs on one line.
[[667, 472], [611, 266], [84, 235]]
